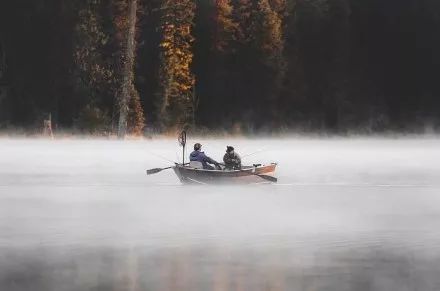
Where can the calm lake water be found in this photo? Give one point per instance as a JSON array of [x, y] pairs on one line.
[[347, 214]]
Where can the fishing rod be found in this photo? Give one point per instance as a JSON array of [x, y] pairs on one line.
[[253, 153], [242, 156], [162, 157], [182, 142]]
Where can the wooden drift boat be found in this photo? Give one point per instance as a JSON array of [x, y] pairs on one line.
[[193, 173], [247, 175]]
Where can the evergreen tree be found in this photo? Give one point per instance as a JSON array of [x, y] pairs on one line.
[[128, 99], [244, 16], [176, 105], [92, 65], [269, 34], [215, 59], [338, 106], [260, 58], [270, 41], [90, 41], [323, 64], [225, 27], [292, 104], [136, 118]]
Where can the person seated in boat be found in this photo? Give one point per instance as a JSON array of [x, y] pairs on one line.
[[198, 156], [231, 159]]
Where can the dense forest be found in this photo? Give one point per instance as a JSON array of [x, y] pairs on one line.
[[136, 66]]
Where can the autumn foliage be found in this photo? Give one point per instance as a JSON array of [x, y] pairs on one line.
[[176, 102], [137, 66]]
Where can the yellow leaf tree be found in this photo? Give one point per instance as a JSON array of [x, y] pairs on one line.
[[176, 104]]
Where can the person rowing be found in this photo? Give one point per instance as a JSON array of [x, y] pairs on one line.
[[198, 156], [231, 159]]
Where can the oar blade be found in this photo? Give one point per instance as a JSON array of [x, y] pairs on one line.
[[157, 170], [154, 171], [269, 178]]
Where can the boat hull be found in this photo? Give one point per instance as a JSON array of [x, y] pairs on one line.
[[248, 175]]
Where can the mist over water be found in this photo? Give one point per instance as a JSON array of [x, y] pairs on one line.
[[347, 214]]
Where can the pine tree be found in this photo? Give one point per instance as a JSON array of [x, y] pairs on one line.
[[90, 41], [338, 104], [244, 16], [136, 119], [125, 23], [292, 97], [226, 27], [281, 6], [260, 54], [270, 40], [176, 104], [269, 36], [216, 80], [92, 66]]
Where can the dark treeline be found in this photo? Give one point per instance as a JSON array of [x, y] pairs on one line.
[[330, 65]]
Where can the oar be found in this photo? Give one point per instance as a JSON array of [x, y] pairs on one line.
[[157, 170], [266, 177]]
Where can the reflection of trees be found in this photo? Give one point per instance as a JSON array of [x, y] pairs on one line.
[[217, 270], [199, 268]]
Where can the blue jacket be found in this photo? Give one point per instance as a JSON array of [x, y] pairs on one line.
[[198, 156]]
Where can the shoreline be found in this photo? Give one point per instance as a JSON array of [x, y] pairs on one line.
[[211, 136]]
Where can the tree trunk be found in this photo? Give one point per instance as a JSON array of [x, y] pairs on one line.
[[127, 68]]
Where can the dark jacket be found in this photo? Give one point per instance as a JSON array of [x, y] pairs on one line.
[[198, 156], [232, 161]]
